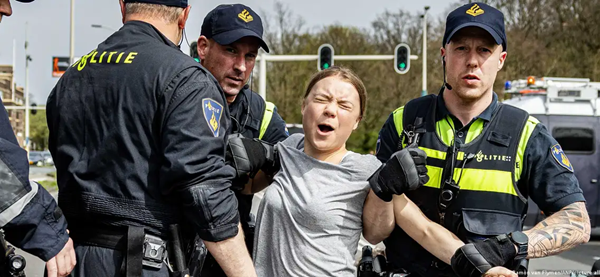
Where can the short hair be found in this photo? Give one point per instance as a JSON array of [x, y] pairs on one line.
[[167, 13], [346, 75]]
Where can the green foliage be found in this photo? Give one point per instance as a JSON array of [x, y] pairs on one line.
[[38, 131], [558, 38]]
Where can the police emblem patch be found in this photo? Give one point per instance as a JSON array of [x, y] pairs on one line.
[[560, 156], [212, 113]]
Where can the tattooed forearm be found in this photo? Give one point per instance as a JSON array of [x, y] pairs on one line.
[[559, 232]]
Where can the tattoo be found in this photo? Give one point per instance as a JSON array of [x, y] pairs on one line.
[[559, 232]]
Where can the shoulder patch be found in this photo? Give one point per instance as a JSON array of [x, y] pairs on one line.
[[560, 157], [212, 113]]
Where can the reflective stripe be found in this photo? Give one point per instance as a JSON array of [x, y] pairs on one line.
[[445, 130], [475, 179], [441, 155], [264, 124], [474, 130], [525, 135], [398, 116], [16, 208]]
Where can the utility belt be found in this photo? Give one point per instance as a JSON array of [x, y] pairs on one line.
[[146, 250]]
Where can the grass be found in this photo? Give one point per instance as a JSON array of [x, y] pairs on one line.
[[49, 185]]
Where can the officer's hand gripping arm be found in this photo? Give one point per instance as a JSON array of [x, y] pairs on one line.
[[248, 156], [406, 170], [474, 259]]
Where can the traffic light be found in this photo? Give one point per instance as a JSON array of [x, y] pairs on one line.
[[33, 111], [402, 58], [325, 56]]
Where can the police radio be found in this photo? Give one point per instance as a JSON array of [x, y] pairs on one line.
[[12, 264]]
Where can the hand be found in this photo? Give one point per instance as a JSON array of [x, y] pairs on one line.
[[405, 170], [248, 156], [63, 263], [500, 272], [474, 259]]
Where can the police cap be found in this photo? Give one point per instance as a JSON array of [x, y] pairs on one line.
[[478, 15], [228, 23]]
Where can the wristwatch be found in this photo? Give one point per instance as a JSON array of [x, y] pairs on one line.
[[521, 241]]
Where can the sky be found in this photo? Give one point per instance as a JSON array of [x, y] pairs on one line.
[[49, 26]]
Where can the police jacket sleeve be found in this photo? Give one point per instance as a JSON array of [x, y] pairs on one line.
[[29, 215], [551, 184], [387, 143], [193, 133], [276, 131]]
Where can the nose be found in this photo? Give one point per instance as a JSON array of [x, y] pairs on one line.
[[330, 109], [5, 9], [472, 59], [240, 63]]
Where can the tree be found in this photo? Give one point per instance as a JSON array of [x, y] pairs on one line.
[[38, 131]]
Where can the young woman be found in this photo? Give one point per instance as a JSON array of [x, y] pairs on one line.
[[310, 218]]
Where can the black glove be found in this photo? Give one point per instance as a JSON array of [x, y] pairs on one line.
[[248, 156], [404, 171], [474, 259]]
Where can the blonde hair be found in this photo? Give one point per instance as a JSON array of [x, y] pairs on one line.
[[346, 75], [168, 14]]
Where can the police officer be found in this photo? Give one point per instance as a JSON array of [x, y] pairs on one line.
[[137, 132], [228, 45], [484, 159], [29, 216]]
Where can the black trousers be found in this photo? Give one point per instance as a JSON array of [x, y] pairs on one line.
[[93, 261]]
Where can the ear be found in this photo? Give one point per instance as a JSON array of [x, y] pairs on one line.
[[303, 106], [356, 124], [184, 16], [443, 53], [202, 47], [122, 10], [501, 60]]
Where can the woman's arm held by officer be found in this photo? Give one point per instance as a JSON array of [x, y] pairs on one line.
[[559, 232], [500, 272], [378, 218], [233, 259], [433, 237]]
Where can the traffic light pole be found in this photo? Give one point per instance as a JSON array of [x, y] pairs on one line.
[[263, 58], [424, 92], [26, 93]]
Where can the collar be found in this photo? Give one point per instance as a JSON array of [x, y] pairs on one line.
[[241, 100], [442, 111], [144, 28]]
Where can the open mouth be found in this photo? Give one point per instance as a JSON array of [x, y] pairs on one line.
[[324, 128], [471, 77]]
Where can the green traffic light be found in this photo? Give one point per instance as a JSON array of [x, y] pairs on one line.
[[325, 65], [402, 65]]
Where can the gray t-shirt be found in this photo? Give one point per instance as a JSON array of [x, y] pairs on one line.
[[310, 219]]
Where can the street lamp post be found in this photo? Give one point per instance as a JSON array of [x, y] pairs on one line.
[[424, 91], [26, 92], [72, 48]]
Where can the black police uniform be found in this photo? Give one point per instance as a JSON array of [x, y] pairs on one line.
[[29, 216], [549, 184], [247, 114], [137, 132]]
